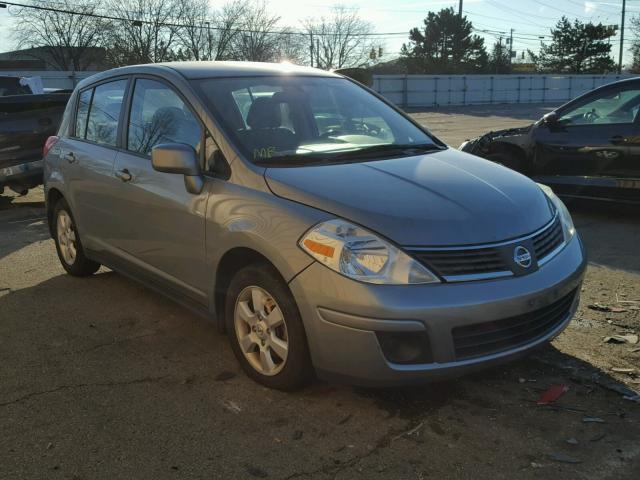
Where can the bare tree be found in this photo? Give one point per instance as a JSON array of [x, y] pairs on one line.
[[228, 21], [148, 32], [292, 47], [635, 45], [63, 40], [258, 39], [196, 36], [339, 40]]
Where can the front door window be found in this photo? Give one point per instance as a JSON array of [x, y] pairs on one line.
[[609, 107]]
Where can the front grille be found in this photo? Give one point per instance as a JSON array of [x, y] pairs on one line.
[[484, 262], [547, 241], [463, 262], [500, 335]]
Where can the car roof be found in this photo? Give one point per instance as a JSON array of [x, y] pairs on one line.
[[619, 82], [210, 69], [193, 70]]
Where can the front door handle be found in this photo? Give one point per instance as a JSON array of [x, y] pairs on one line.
[[124, 175], [70, 157], [617, 139]]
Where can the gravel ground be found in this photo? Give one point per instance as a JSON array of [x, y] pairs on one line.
[[101, 378]]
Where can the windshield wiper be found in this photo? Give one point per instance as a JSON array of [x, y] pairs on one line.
[[369, 152], [386, 149]]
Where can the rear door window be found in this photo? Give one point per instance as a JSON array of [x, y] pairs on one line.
[[158, 115], [102, 125]]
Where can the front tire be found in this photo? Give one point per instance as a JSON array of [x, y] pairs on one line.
[[265, 329], [507, 160], [68, 245]]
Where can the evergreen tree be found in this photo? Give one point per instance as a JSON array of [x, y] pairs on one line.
[[499, 59], [576, 48], [444, 45]]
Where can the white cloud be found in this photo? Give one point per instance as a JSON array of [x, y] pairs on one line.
[[590, 7]]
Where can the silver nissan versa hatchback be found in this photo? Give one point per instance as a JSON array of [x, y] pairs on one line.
[[322, 228]]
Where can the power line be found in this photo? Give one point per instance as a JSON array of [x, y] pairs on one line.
[[502, 19], [206, 26]]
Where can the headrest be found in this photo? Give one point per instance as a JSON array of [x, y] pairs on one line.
[[264, 113]]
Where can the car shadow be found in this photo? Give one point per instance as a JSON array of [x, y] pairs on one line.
[[8, 203], [22, 220], [610, 232], [522, 381], [109, 309], [19, 231]]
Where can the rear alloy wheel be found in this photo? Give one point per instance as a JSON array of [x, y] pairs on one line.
[[66, 237], [265, 329], [68, 243]]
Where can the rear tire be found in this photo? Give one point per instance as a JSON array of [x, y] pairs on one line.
[[68, 244], [265, 329]]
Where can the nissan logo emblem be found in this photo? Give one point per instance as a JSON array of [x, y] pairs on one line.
[[522, 256]]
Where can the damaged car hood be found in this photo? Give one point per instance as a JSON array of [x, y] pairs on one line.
[[508, 135], [435, 199]]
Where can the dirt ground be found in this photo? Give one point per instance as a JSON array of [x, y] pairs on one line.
[[101, 378]]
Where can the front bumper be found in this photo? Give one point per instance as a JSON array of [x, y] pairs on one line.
[[27, 174], [341, 317]]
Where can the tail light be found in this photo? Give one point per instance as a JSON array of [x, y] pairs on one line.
[[48, 145]]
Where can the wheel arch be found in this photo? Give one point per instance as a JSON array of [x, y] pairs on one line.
[[513, 151], [231, 262], [53, 197]]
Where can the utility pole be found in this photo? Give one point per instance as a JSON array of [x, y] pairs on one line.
[[510, 48], [311, 47], [624, 6], [460, 8]]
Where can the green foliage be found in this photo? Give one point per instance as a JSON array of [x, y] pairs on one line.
[[444, 45], [576, 48], [635, 46], [499, 59]]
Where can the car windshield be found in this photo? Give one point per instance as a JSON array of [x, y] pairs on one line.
[[293, 120]]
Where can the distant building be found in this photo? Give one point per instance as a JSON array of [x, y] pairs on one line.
[[53, 58]]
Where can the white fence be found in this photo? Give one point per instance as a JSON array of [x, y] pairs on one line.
[[52, 78], [435, 90]]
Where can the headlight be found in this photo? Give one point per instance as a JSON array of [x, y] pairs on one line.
[[565, 217], [362, 255]]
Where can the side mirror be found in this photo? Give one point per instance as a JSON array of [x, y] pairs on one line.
[[181, 159], [551, 118]]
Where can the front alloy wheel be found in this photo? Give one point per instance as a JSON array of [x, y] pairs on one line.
[[265, 328], [261, 330]]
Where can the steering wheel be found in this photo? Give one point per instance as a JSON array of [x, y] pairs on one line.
[[591, 116], [364, 128], [332, 132]]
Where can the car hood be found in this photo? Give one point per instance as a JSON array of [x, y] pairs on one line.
[[439, 198]]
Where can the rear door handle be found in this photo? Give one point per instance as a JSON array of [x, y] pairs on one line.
[[617, 139], [69, 157], [124, 175]]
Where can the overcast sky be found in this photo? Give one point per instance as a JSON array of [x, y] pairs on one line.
[[528, 18]]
